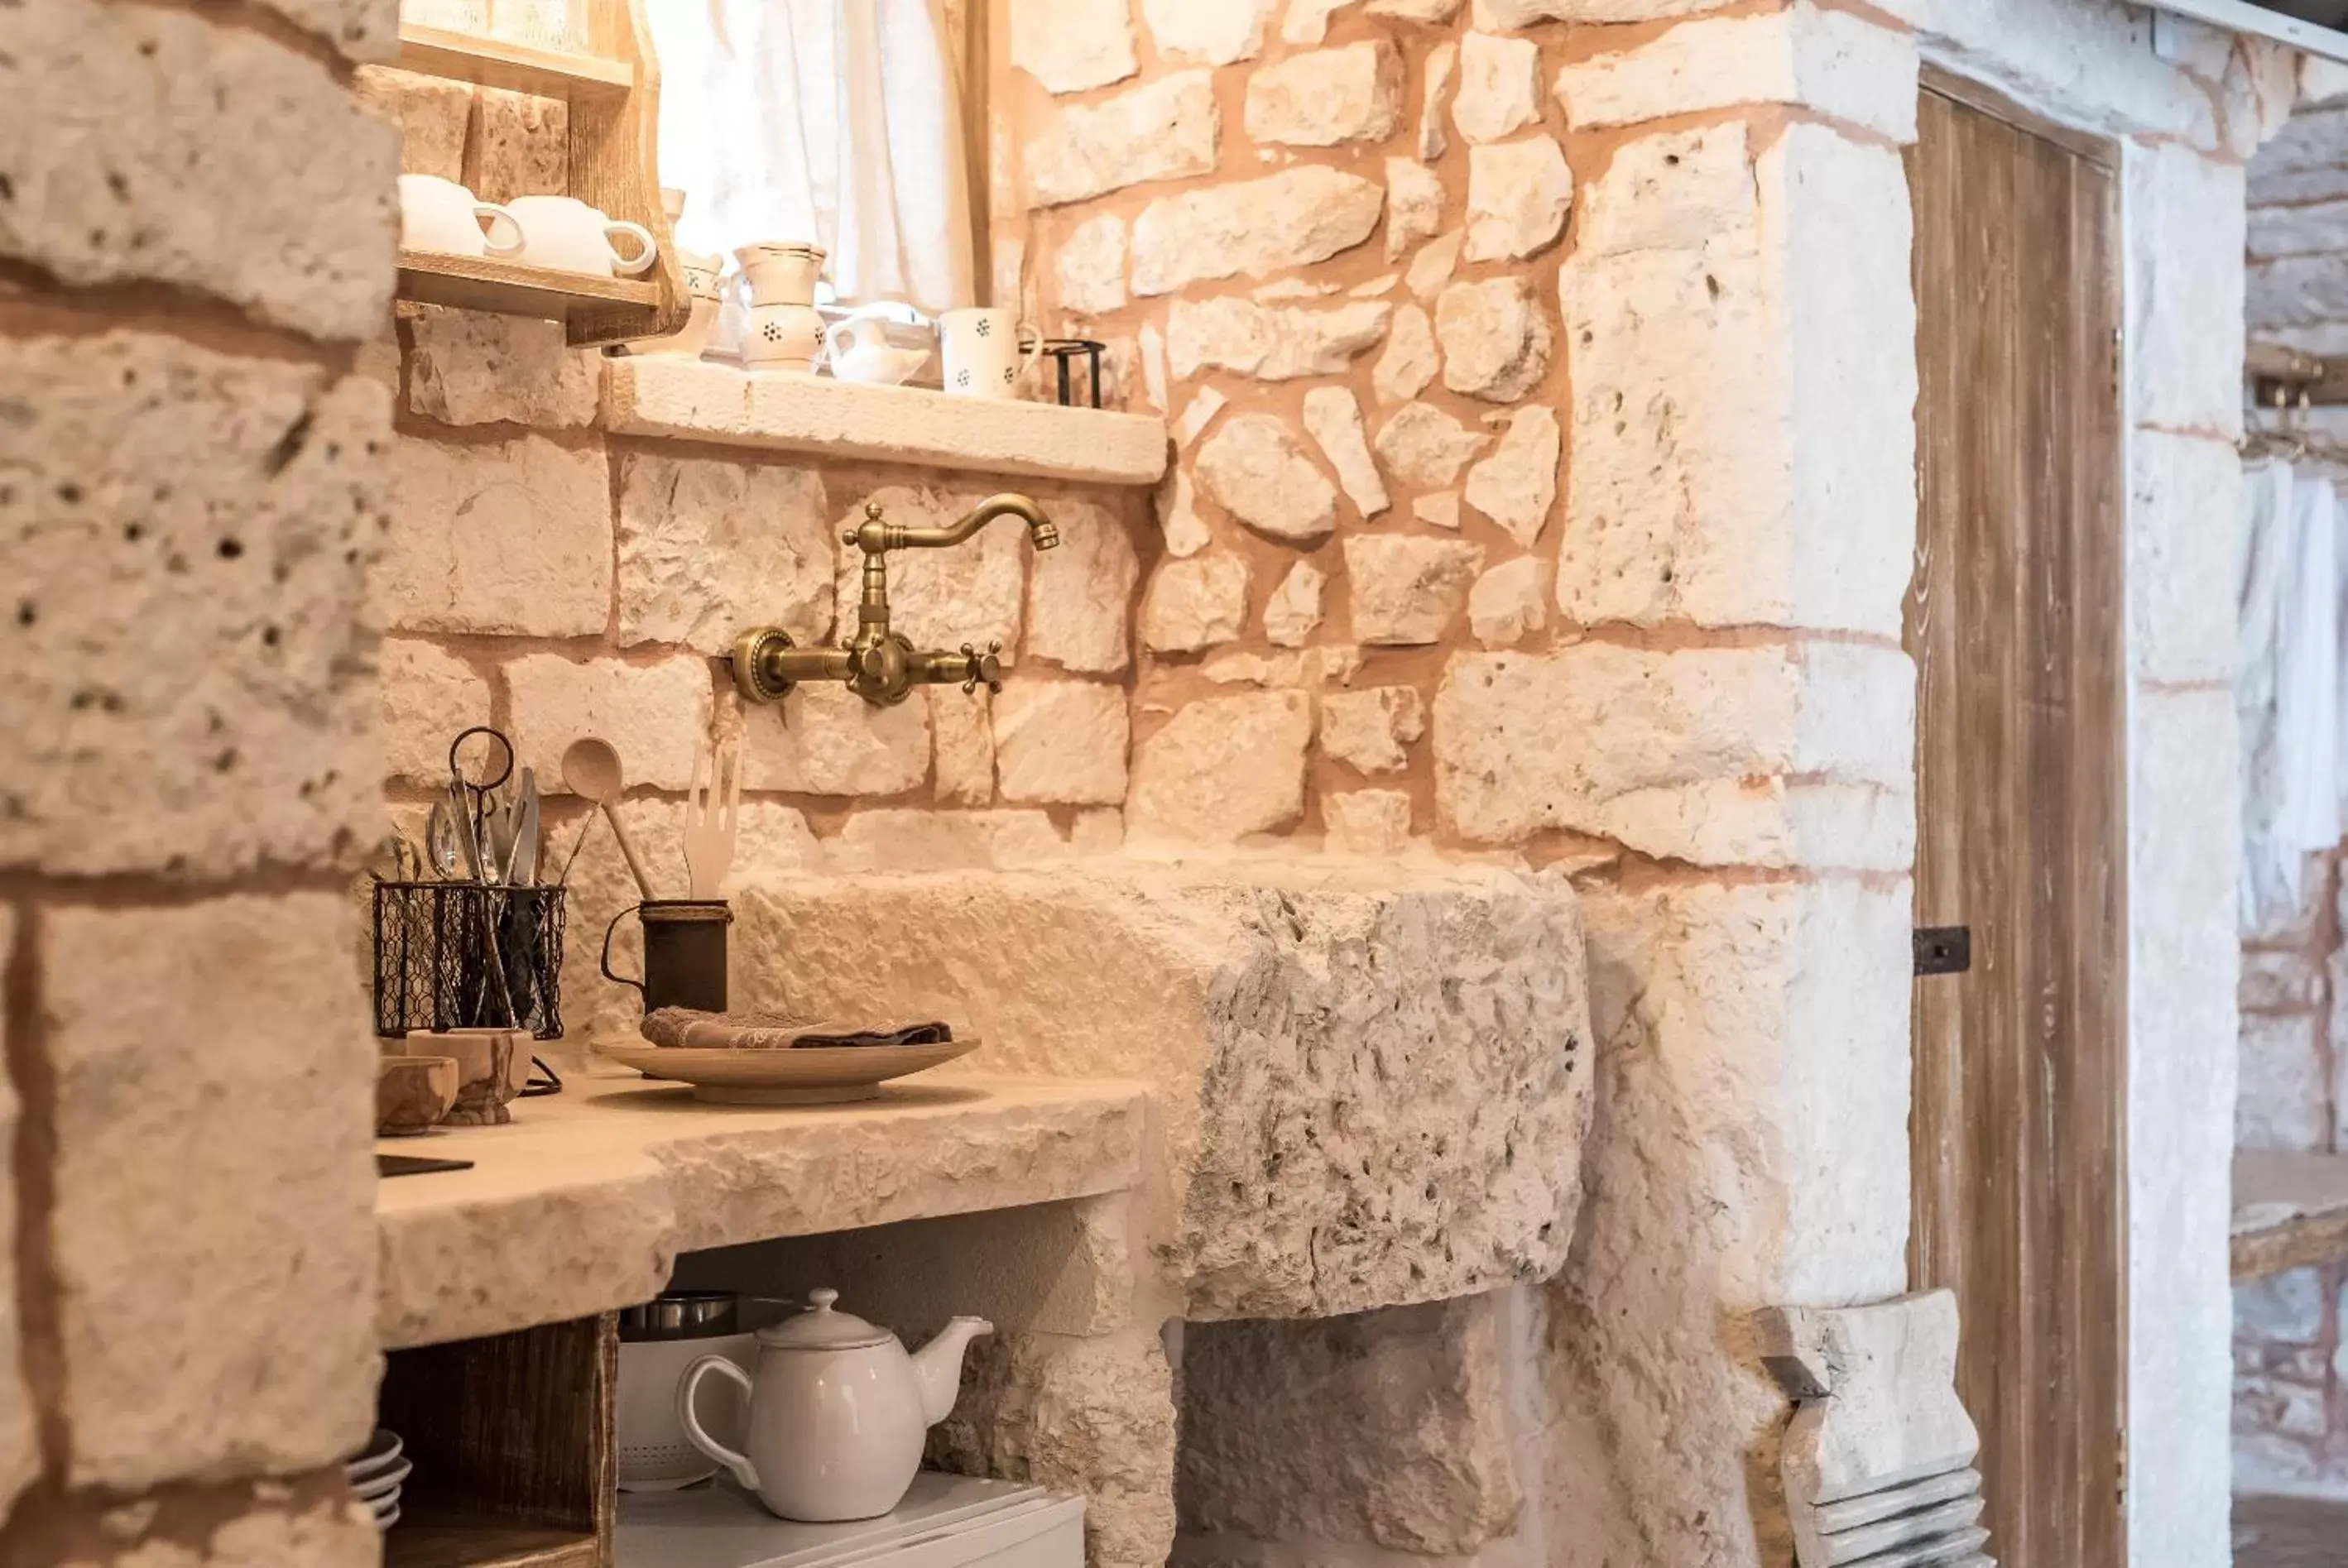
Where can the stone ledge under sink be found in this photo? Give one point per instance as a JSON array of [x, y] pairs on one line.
[[583, 1203], [696, 400]]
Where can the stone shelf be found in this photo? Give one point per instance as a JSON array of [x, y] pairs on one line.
[[696, 400], [2289, 1211], [582, 1204]]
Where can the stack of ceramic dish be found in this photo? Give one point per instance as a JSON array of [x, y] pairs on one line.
[[375, 1474]]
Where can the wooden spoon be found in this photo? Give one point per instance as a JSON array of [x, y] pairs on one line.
[[590, 769]]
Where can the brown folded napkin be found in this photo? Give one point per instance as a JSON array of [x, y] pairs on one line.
[[692, 1028]]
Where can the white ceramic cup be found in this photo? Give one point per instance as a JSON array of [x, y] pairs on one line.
[[567, 235], [440, 215], [985, 351], [783, 337]]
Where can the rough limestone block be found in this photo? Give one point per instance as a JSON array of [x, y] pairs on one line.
[[1080, 596], [1323, 97], [906, 839], [1366, 821], [1500, 14], [1090, 266], [165, 506], [962, 732], [1195, 604], [1385, 1428], [1880, 1427], [20, 1457], [1499, 87], [1332, 417], [1072, 44], [1721, 374], [1338, 1134], [1222, 768], [1519, 193], [1061, 741], [465, 367], [1214, 32], [429, 696], [940, 598], [1164, 129], [2185, 292], [1508, 602], [823, 738], [431, 112], [1423, 446], [1442, 67], [1517, 485], [1255, 468], [1720, 756], [1834, 62], [510, 538], [1270, 342], [210, 158], [2283, 1092], [1051, 1268], [656, 715], [520, 146], [322, 1535], [1410, 360], [211, 1152], [1258, 227], [1092, 1416], [2184, 535], [1495, 336], [1371, 730], [1407, 589], [711, 547], [1294, 608]]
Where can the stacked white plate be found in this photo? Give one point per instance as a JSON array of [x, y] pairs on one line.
[[375, 1474]]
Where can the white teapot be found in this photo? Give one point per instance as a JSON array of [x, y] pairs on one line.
[[838, 1412]]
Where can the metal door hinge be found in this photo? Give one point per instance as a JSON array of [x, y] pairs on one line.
[[1943, 949]]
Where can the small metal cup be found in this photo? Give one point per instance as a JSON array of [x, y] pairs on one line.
[[684, 952]]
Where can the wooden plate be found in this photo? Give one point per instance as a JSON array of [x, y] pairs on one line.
[[811, 1077]]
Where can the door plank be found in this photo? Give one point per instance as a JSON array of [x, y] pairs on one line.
[[2015, 621]]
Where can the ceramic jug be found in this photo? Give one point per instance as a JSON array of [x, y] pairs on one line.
[[838, 1412], [781, 272]]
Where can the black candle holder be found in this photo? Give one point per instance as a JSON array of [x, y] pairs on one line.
[[1065, 351]]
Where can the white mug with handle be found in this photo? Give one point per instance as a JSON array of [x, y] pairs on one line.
[[442, 216], [985, 350], [569, 236]]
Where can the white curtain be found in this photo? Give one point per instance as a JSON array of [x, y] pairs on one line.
[[837, 121], [2288, 689]]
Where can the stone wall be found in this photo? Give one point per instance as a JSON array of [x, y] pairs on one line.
[[2290, 1401], [196, 222]]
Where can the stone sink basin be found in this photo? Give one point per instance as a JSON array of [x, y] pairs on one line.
[[1371, 1083]]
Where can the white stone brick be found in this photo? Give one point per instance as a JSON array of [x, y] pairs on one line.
[[1080, 596], [656, 715], [2184, 527], [1196, 603], [1833, 62], [184, 539], [1404, 589], [520, 146], [2285, 1090], [824, 739], [1294, 608], [900, 840], [1215, 32], [1499, 87], [1163, 129], [1072, 44], [1372, 729], [1517, 485], [1435, 79], [1367, 820], [1090, 266], [325, 1534], [1307, 21], [1176, 505], [1256, 469], [180, 152], [1324, 97], [963, 733], [2185, 291], [1410, 360], [1495, 337], [1269, 342], [2321, 229], [711, 547], [1743, 385], [467, 368], [1508, 603], [1433, 266], [1414, 206], [1061, 741], [1517, 196], [1332, 417], [1504, 14], [1258, 227], [511, 537], [1222, 768], [431, 112], [940, 598], [1421, 445], [258, 1229], [428, 697], [1749, 756]]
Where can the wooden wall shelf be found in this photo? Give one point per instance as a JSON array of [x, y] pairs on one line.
[[2291, 1211], [517, 67], [486, 284]]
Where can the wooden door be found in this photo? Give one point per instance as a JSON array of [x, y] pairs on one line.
[[2014, 621]]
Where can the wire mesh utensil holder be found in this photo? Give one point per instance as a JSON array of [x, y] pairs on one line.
[[440, 947]]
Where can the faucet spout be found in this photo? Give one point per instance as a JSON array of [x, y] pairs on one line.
[[874, 536]]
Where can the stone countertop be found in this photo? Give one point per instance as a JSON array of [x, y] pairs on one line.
[[581, 1205], [2289, 1211], [695, 400]]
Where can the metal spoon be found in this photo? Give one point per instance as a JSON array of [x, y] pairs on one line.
[[590, 769]]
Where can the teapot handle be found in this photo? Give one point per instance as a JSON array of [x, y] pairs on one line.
[[690, 1420], [829, 351]]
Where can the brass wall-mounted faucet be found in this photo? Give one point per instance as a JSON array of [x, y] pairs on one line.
[[878, 664]]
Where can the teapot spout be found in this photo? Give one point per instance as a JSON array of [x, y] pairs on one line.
[[937, 1366]]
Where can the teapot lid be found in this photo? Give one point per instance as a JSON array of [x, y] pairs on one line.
[[820, 1329]]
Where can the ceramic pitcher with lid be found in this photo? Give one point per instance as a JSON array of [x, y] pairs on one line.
[[838, 1412]]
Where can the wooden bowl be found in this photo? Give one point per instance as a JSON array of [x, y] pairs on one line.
[[491, 1067], [412, 1093]]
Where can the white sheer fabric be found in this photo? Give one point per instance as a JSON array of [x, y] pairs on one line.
[[832, 121]]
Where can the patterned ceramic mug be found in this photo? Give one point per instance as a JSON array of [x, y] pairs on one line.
[[985, 351]]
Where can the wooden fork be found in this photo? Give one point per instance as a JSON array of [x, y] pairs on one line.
[[713, 817]]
